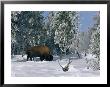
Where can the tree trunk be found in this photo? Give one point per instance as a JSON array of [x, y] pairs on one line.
[[78, 54]]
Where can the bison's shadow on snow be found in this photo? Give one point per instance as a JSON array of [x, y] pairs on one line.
[[23, 60], [19, 58]]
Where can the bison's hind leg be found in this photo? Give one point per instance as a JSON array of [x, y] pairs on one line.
[[49, 58], [42, 58]]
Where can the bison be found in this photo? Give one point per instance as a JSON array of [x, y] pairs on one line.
[[39, 51]]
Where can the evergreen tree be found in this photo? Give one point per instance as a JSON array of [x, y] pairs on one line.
[[84, 41], [95, 40], [28, 27], [65, 25], [50, 31], [14, 28]]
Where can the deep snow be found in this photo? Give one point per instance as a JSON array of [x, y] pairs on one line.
[[22, 68]]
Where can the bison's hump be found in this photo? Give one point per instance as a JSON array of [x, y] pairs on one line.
[[39, 49]]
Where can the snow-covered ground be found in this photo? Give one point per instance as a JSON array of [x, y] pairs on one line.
[[22, 68]]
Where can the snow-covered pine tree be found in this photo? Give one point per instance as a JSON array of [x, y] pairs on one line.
[[65, 24], [84, 42], [14, 28], [95, 41], [27, 26], [50, 30]]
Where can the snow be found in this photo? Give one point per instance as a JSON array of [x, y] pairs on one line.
[[22, 68]]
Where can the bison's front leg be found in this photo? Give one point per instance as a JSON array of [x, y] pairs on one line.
[[31, 58], [27, 57]]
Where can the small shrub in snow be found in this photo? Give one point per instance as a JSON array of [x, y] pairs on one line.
[[92, 63]]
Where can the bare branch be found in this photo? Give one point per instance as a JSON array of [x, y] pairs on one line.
[[66, 68], [68, 63], [59, 64]]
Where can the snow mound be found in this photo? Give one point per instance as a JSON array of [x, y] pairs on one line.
[[77, 68], [90, 56]]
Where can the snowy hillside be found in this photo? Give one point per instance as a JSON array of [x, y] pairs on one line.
[[22, 68]]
